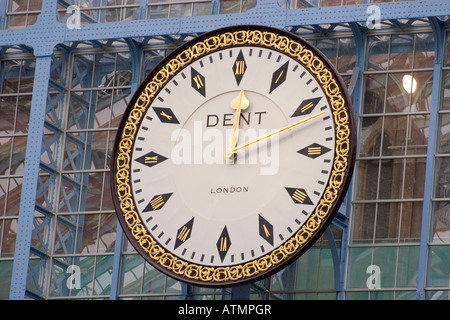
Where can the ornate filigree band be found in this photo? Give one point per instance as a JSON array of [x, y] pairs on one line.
[[330, 86]]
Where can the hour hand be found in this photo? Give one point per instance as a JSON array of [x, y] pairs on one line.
[[239, 103]]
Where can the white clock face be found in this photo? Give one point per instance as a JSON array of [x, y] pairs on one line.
[[212, 211], [233, 163]]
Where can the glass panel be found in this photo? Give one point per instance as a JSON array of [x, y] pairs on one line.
[[173, 286], [414, 178], [6, 267], [7, 114], [331, 3], [111, 15], [93, 192], [107, 203], [14, 194], [424, 50], [378, 52], [23, 114], [439, 267], [443, 177], [3, 193], [82, 71], [401, 55], [181, 10], [131, 274], [347, 55], [367, 180], [444, 133], [402, 178], [359, 295], [438, 295], [391, 179], [407, 269], [399, 88], [18, 155], [360, 260], [58, 277], [103, 100], [88, 232], [387, 221], [418, 131], [154, 281], [107, 232], [394, 135], [308, 271], [87, 267], [370, 145], [363, 222], [202, 9], [405, 295], [78, 110], [103, 275], [441, 223], [8, 234], [446, 89], [159, 12], [374, 93], [130, 14], [326, 271], [5, 154], [448, 50], [98, 149], [385, 258], [120, 102], [411, 221]]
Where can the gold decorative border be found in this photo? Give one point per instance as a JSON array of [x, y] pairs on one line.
[[336, 98]]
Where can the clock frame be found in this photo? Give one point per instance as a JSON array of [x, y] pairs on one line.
[[220, 275]]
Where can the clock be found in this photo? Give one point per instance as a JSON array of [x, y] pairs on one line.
[[233, 156]]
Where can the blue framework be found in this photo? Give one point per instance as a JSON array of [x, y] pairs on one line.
[[48, 33], [438, 32]]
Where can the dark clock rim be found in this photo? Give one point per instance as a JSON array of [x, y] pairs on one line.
[[325, 223]]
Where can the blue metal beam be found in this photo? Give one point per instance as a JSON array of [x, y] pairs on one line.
[[2, 14], [438, 32], [47, 32], [30, 178]]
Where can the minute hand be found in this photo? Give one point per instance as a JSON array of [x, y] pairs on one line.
[[271, 134]]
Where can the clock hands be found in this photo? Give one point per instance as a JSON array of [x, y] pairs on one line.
[[239, 103], [233, 151]]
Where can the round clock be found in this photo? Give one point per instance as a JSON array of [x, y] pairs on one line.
[[233, 156]]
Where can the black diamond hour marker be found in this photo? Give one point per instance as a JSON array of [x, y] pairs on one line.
[[184, 233], [314, 150], [150, 159], [266, 230], [165, 115], [279, 76], [239, 67], [306, 107], [299, 195], [224, 243], [157, 202], [198, 82]]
